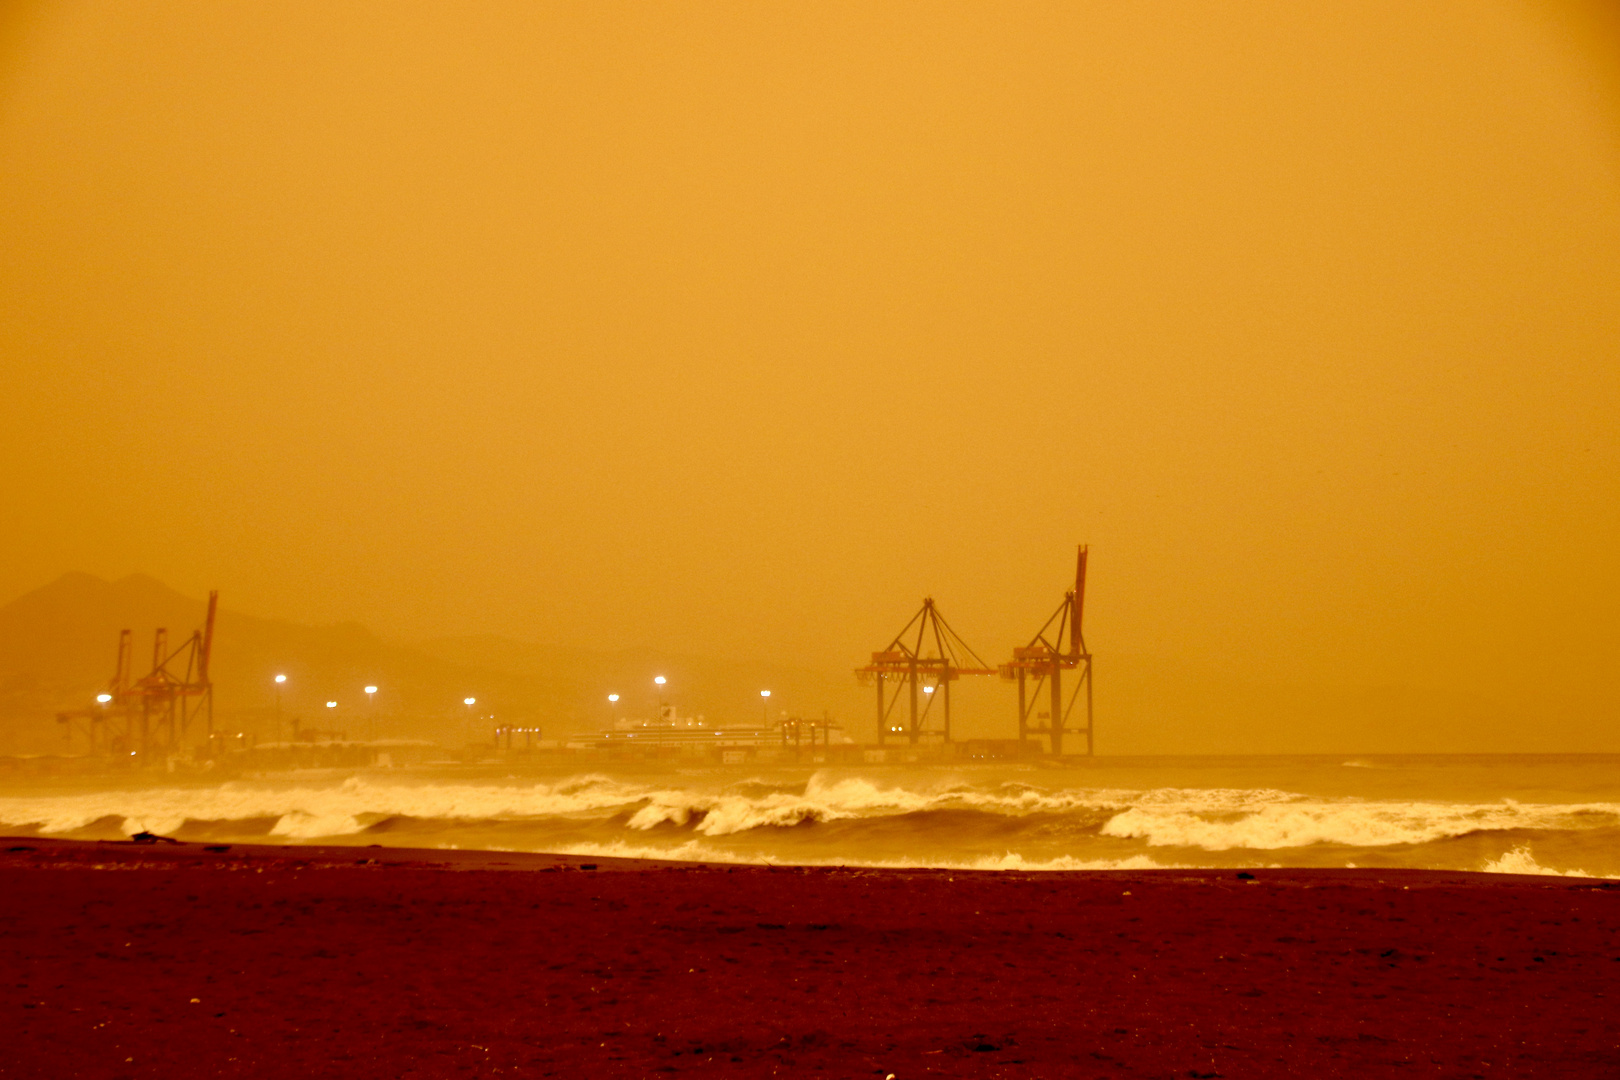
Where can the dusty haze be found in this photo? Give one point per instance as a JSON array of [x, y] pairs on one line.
[[732, 331]]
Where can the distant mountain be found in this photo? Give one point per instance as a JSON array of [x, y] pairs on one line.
[[57, 647], [725, 691], [59, 634]]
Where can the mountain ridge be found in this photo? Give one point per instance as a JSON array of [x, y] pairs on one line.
[[57, 646]]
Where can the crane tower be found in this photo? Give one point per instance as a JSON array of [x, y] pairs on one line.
[[924, 658], [1038, 669], [152, 714]]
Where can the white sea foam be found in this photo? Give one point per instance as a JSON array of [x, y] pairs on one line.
[[1521, 861], [299, 825], [691, 851], [696, 851], [727, 812], [1211, 819], [730, 811], [303, 811], [1014, 861], [1300, 822]]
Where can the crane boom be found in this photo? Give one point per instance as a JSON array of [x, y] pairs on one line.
[[1077, 605]]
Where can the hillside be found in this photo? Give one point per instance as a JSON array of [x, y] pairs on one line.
[[57, 648], [728, 691]]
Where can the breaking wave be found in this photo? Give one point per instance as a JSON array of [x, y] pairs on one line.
[[1521, 861], [1268, 825], [949, 820]]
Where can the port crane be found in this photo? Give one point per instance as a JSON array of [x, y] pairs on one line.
[[924, 658], [152, 713], [1038, 668]]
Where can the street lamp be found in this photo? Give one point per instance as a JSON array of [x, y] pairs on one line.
[[765, 707], [279, 680], [101, 699], [371, 709], [659, 679]]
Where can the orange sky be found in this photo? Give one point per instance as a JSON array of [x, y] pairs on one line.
[[736, 328]]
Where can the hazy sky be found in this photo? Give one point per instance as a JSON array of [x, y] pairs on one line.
[[737, 328]]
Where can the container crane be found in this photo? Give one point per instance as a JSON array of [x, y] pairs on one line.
[[924, 658], [155, 711], [1059, 646]]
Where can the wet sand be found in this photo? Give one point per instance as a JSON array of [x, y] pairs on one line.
[[182, 961]]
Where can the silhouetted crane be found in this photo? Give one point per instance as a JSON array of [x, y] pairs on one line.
[[155, 711], [1059, 646], [926, 661]]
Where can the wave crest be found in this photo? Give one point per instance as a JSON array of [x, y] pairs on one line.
[[1521, 861], [952, 820], [1301, 823]]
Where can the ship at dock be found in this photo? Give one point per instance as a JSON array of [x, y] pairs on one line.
[[669, 735]]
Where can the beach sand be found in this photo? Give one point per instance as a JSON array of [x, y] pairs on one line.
[[171, 961]]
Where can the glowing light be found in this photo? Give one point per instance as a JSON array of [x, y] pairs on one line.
[[613, 697], [371, 689], [469, 701], [331, 704], [764, 693], [659, 680], [104, 698], [281, 678], [928, 689]]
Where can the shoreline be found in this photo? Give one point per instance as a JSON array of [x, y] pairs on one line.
[[40, 852], [17, 852], [178, 961]]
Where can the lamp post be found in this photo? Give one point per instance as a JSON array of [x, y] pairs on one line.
[[613, 706], [280, 680], [765, 708], [371, 709], [469, 702], [659, 681], [102, 700]]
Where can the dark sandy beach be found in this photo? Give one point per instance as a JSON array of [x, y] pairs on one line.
[[180, 961]]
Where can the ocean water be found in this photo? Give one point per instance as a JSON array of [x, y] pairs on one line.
[[1542, 815]]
